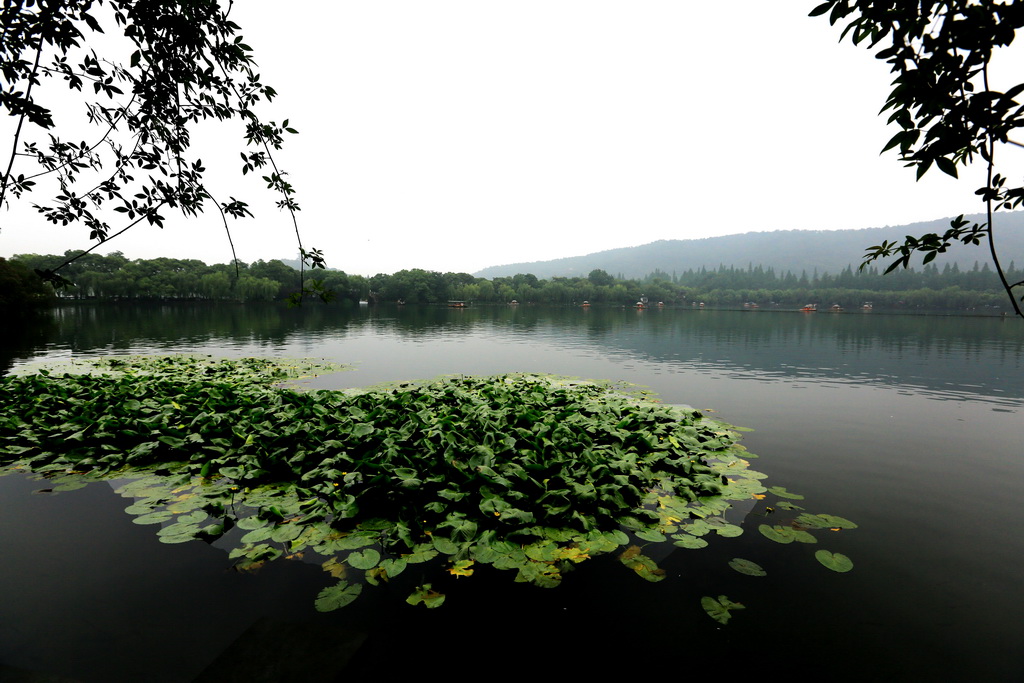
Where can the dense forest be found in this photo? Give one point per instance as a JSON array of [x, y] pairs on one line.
[[115, 277]]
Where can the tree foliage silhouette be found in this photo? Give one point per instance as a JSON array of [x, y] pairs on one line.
[[948, 111], [187, 64]]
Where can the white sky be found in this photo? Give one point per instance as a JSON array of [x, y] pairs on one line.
[[460, 134]]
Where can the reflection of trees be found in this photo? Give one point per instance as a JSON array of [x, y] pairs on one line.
[[932, 351], [24, 333]]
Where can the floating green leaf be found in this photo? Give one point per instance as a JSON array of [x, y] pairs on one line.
[[688, 541], [729, 530], [824, 522], [644, 566], [444, 545], [423, 594], [747, 567], [337, 596], [781, 492], [365, 559], [785, 534], [154, 518], [652, 535], [720, 609], [393, 566], [776, 533], [834, 561]]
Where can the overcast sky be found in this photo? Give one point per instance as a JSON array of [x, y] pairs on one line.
[[453, 135]]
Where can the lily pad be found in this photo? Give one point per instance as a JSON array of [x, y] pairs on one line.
[[425, 595], [337, 596], [652, 535], [720, 609], [729, 530], [781, 492], [747, 567], [154, 518], [392, 567], [785, 534], [824, 522], [688, 541], [834, 561], [365, 559]]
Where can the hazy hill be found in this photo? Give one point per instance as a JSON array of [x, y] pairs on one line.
[[795, 250]]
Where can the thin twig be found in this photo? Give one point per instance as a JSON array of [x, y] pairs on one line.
[[21, 121], [119, 232], [988, 208], [113, 125], [224, 219]]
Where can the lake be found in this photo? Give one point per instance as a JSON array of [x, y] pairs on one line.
[[908, 425]]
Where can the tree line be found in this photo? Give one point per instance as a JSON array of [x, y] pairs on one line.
[[115, 277], [94, 276]]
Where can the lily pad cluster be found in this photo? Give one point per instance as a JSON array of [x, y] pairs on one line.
[[528, 473]]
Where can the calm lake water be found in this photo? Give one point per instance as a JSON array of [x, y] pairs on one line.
[[911, 426]]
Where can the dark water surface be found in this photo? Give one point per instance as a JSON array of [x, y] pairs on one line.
[[910, 426]]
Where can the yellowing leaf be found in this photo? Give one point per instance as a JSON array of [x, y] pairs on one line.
[[334, 568], [629, 553], [572, 554], [425, 595], [462, 568]]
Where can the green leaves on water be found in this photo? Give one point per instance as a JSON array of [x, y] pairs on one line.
[[720, 609], [834, 561], [810, 521], [644, 566], [426, 596], [782, 534], [524, 473], [688, 541], [364, 559], [781, 492], [337, 596], [747, 567], [154, 517]]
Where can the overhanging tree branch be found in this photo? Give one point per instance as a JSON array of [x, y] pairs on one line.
[[942, 101], [187, 65], [22, 182]]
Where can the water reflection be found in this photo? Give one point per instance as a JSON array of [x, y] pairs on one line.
[[898, 423], [951, 357]]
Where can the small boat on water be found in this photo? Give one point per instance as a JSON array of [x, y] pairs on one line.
[[836, 308], [586, 304], [457, 304], [809, 308]]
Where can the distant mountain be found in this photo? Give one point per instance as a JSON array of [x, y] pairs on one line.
[[795, 250]]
